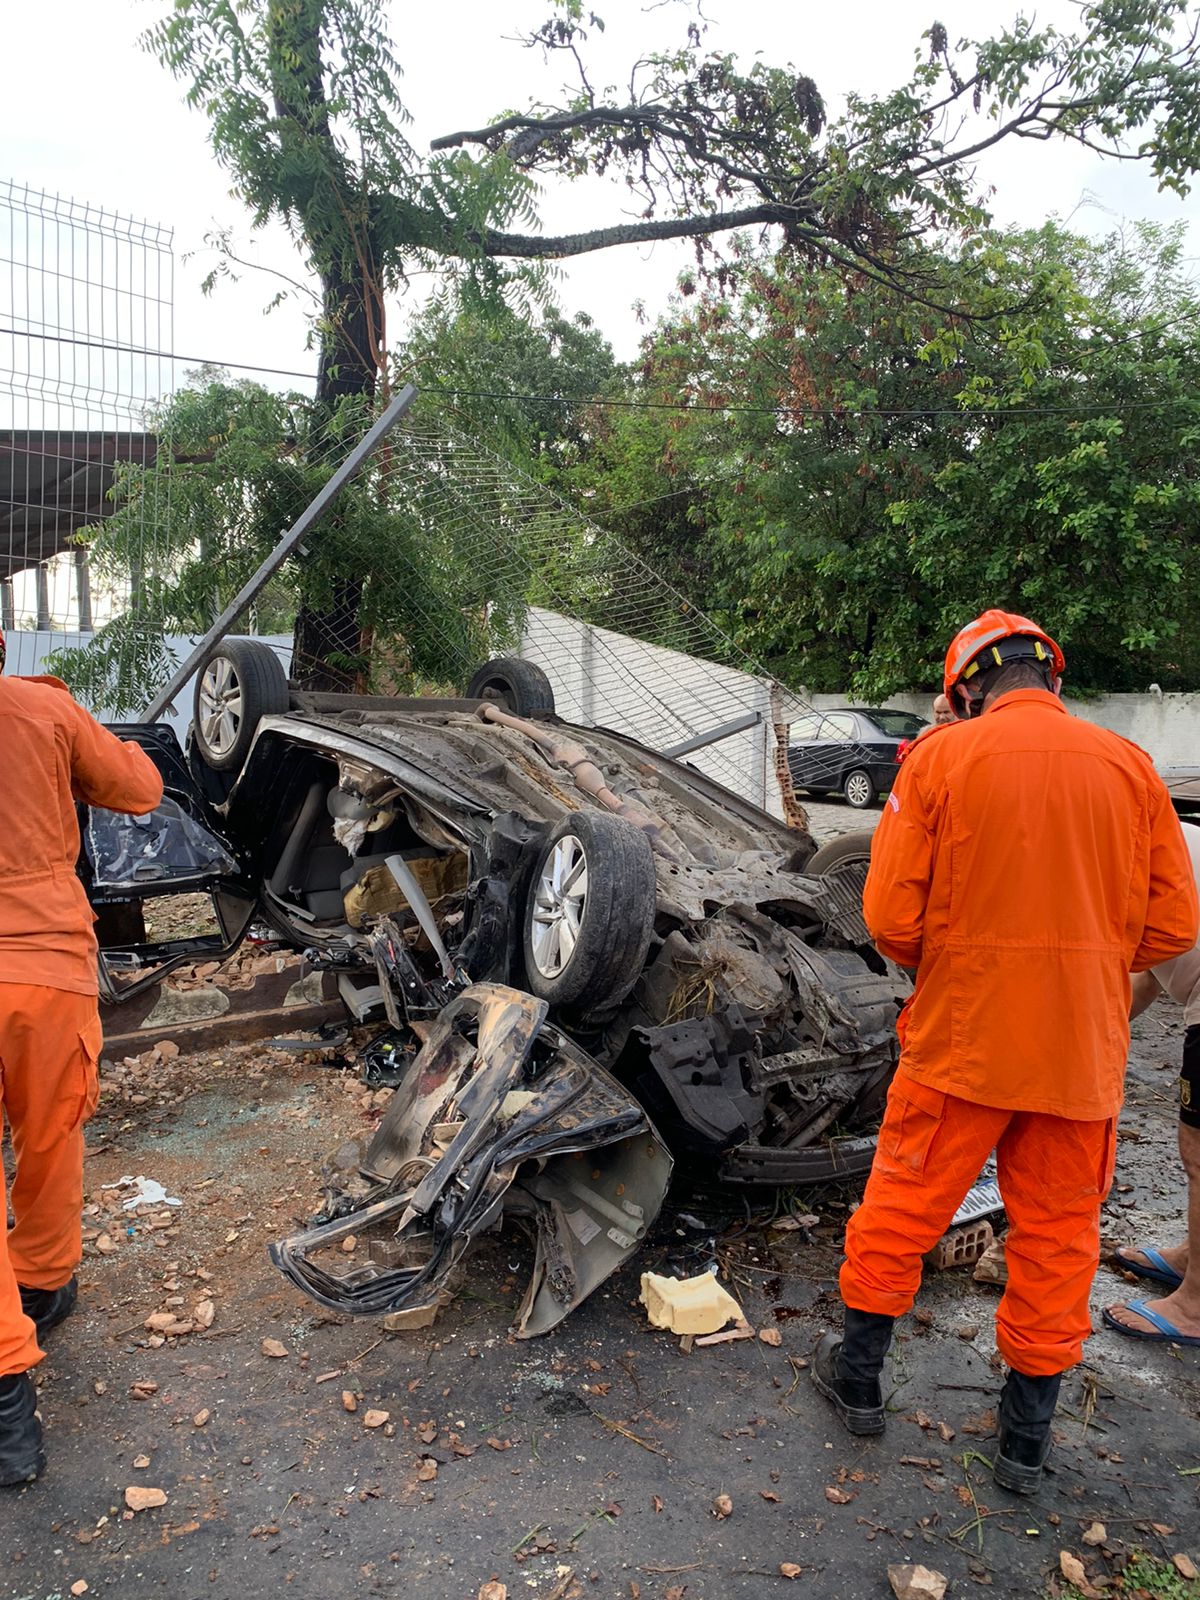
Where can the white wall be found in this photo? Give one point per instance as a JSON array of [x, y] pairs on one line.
[[663, 697], [27, 651], [658, 696]]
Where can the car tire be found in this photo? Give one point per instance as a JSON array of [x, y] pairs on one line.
[[851, 849], [513, 684], [588, 949], [242, 682], [859, 789]]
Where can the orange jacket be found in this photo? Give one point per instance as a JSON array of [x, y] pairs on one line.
[[1025, 863], [54, 754]]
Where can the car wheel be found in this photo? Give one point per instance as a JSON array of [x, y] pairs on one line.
[[858, 789], [851, 850], [241, 683], [514, 684], [590, 911]]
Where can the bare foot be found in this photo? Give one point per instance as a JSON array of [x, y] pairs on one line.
[[1175, 1255], [1180, 1312]]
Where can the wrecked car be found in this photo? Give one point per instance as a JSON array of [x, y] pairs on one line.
[[645, 961]]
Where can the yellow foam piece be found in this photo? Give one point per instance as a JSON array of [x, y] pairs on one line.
[[688, 1305]]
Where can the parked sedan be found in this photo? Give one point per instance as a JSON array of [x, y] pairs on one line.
[[574, 943], [850, 750]]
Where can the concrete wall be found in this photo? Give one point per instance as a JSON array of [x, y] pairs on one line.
[[658, 696], [27, 651]]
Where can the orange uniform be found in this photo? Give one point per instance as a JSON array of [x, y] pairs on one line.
[[1025, 863], [55, 755]]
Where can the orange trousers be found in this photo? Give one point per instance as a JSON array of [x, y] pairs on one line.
[[1053, 1175], [49, 1049]]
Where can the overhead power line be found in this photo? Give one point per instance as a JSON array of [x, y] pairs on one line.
[[834, 413]]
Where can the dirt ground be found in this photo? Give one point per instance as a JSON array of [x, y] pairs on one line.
[[587, 1463]]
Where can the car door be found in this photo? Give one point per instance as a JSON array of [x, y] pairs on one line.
[[800, 736], [829, 750], [166, 888]]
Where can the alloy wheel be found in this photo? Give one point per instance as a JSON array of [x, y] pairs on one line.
[[858, 789], [560, 899], [220, 705]]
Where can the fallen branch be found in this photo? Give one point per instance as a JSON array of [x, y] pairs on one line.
[[626, 1434]]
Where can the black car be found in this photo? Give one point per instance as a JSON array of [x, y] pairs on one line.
[[851, 750], [571, 942]]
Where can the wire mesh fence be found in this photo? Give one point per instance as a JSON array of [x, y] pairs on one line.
[[621, 646], [86, 301]]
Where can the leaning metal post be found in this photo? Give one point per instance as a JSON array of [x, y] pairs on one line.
[[289, 541]]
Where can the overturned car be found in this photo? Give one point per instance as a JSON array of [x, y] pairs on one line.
[[590, 959]]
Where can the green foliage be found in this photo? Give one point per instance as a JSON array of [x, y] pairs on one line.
[[236, 464], [1144, 1577], [520, 384], [861, 474], [1150, 1575], [304, 110]]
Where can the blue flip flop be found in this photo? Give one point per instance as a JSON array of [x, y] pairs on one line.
[[1168, 1333], [1158, 1270]]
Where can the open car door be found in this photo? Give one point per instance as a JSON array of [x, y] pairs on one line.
[[167, 888]]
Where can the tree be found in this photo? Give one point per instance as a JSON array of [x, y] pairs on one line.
[[305, 112], [235, 463], [854, 475], [521, 384]]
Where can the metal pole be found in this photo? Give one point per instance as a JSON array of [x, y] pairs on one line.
[[700, 741], [83, 589], [311, 514], [42, 584]]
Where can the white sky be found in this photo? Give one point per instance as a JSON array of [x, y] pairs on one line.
[[85, 112]]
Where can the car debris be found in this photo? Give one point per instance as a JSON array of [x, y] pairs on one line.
[[500, 1113], [688, 1305], [676, 954]]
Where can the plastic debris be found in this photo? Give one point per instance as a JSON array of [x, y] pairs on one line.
[[688, 1305], [146, 1192]]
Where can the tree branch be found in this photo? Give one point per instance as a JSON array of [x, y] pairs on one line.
[[532, 247]]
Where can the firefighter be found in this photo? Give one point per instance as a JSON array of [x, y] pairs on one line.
[[55, 755], [1023, 867]]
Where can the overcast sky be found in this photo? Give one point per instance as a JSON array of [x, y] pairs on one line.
[[85, 112]]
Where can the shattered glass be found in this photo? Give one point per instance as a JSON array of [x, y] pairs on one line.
[[164, 846]]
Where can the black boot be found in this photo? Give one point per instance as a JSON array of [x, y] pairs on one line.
[[1025, 1414], [49, 1307], [846, 1369], [21, 1458]]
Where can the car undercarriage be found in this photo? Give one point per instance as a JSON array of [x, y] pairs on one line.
[[570, 943]]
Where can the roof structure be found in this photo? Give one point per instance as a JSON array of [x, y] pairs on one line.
[[53, 485]]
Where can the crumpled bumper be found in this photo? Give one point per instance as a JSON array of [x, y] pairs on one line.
[[500, 1112]]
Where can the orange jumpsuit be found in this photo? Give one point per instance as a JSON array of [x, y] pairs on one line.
[[1025, 863], [55, 754]]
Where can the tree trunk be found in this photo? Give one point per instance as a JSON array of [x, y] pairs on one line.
[[327, 644]]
